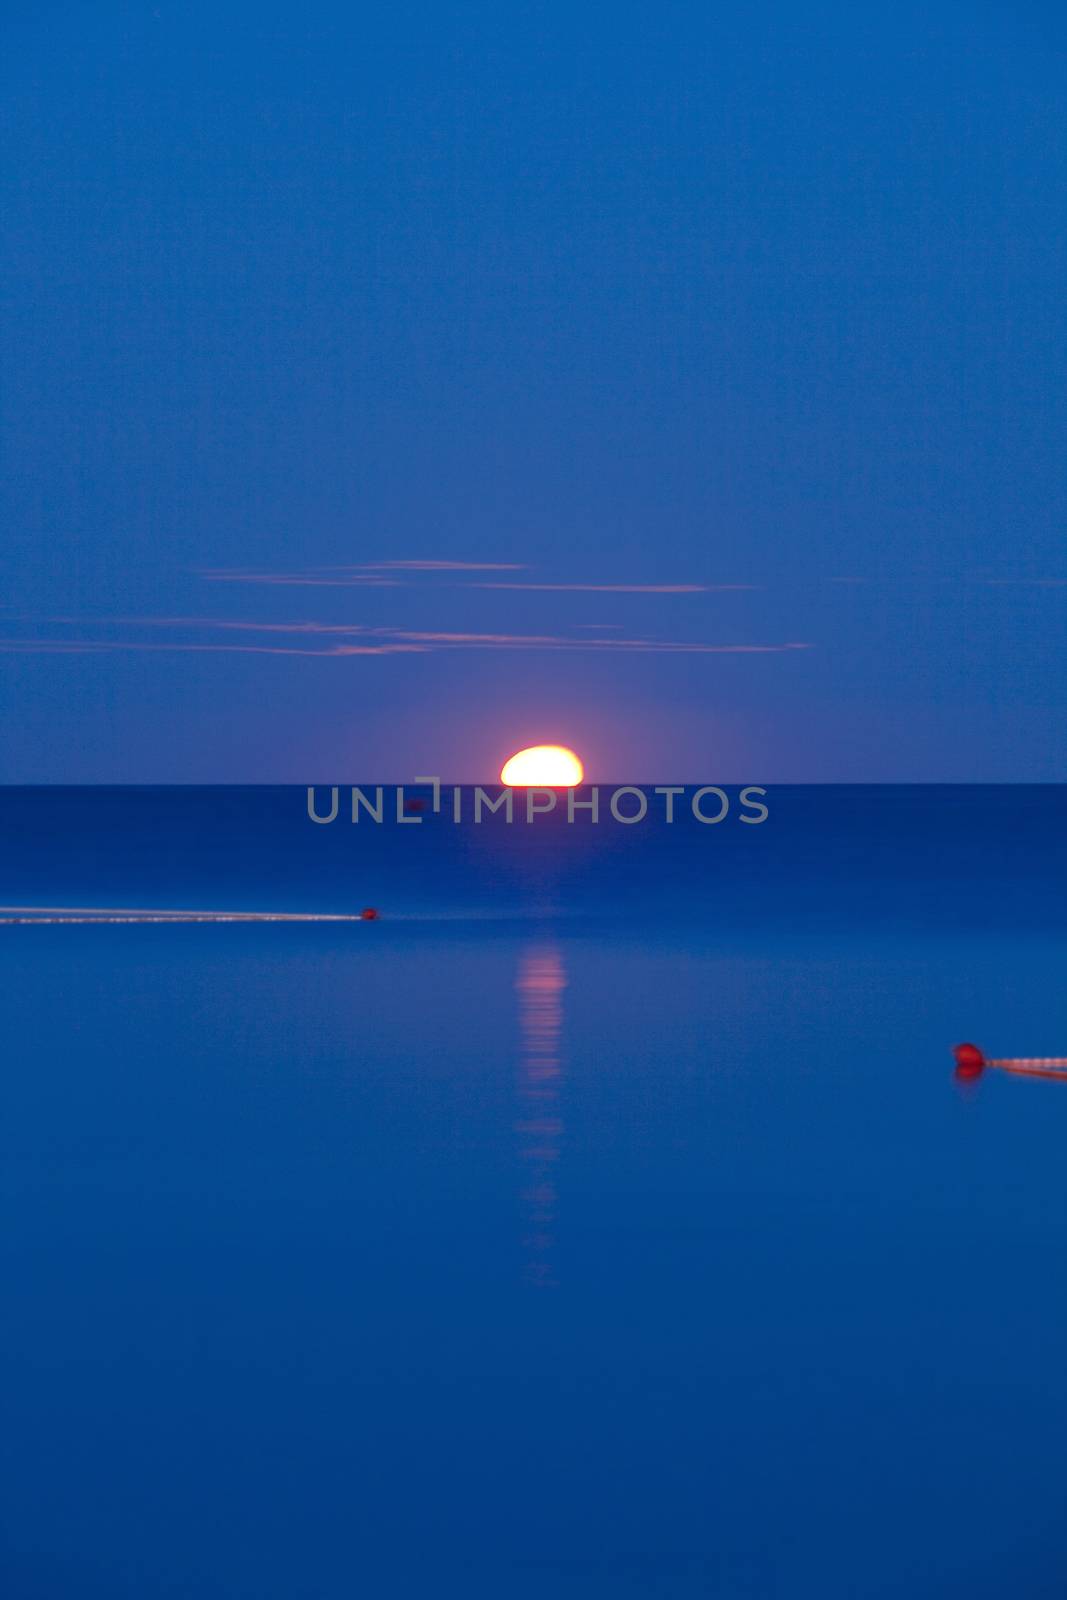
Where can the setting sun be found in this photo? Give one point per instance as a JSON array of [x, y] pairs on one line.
[[545, 766]]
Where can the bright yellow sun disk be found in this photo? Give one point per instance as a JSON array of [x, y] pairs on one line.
[[543, 766]]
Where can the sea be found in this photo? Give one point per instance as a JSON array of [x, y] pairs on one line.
[[537, 1209]]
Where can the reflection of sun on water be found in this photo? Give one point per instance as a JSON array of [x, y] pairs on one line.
[[540, 983]]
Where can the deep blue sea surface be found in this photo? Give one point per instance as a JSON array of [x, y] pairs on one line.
[[604, 1220]]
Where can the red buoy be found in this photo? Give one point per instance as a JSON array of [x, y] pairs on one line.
[[369, 914], [969, 1060]]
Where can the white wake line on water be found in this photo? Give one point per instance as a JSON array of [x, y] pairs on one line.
[[123, 914], [26, 916]]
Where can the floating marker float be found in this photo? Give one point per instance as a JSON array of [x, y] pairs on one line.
[[971, 1063]]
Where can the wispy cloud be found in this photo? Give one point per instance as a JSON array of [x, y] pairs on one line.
[[102, 646], [1025, 583], [325, 578], [347, 639], [392, 574], [518, 641], [443, 566], [226, 624], [364, 575], [619, 588]]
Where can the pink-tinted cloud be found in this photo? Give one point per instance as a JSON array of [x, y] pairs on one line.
[[365, 575], [373, 575], [619, 588], [236, 624], [444, 566], [101, 646], [359, 640], [1026, 583], [520, 641], [310, 580]]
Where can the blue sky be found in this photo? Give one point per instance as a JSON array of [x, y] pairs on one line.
[[386, 389]]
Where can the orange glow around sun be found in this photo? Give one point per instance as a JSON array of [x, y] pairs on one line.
[[543, 766]]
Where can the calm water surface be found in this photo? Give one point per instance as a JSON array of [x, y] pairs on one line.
[[602, 1221]]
